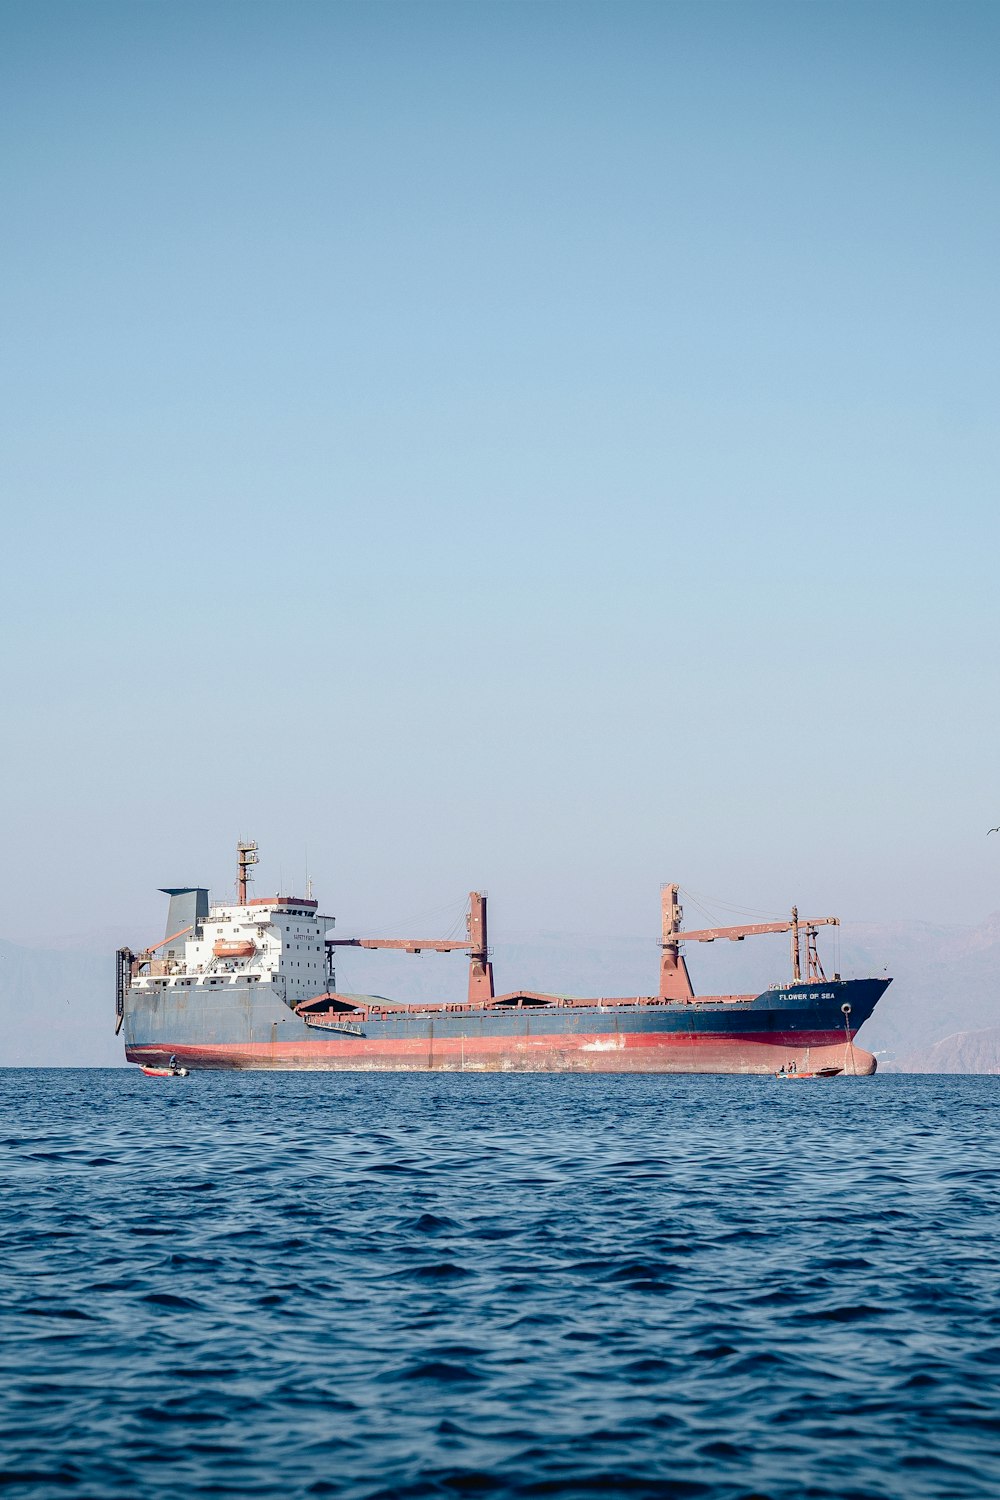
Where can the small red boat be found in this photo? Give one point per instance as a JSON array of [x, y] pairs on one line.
[[170, 1071]]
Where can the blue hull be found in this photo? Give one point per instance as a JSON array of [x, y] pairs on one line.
[[241, 1025]]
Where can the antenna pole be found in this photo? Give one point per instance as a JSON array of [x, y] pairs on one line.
[[796, 947], [246, 855]]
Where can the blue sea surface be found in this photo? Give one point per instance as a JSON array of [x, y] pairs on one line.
[[418, 1285]]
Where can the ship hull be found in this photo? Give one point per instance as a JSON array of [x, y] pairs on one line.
[[244, 1028]]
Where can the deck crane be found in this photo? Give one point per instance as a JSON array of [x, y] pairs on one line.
[[480, 968], [675, 982]]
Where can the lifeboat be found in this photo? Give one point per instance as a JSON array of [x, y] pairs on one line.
[[234, 948]]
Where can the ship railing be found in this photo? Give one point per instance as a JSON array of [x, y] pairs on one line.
[[791, 984]]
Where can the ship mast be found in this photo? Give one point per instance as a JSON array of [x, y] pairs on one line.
[[796, 947], [246, 855]]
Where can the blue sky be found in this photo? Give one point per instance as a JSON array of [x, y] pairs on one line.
[[542, 447]]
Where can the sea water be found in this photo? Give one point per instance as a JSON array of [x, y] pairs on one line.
[[420, 1285]]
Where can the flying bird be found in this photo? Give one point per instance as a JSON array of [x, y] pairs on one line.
[[992, 830]]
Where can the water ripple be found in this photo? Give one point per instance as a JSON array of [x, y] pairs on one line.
[[379, 1286]]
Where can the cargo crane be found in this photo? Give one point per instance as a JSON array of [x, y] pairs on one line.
[[480, 967], [675, 982]]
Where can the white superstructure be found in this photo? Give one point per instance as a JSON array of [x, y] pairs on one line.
[[277, 941]]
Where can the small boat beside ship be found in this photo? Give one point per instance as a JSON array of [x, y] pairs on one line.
[[251, 984], [794, 1072], [170, 1071]]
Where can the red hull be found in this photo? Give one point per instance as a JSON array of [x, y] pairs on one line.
[[626, 1053]]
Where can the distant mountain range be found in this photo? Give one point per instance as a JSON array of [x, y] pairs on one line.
[[940, 1015]]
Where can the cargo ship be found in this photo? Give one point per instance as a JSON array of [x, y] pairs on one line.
[[251, 984]]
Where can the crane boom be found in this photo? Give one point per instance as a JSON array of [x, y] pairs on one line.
[[476, 945], [737, 934], [148, 952], [675, 984], [406, 945]]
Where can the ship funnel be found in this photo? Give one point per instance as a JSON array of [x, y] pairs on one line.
[[187, 910]]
